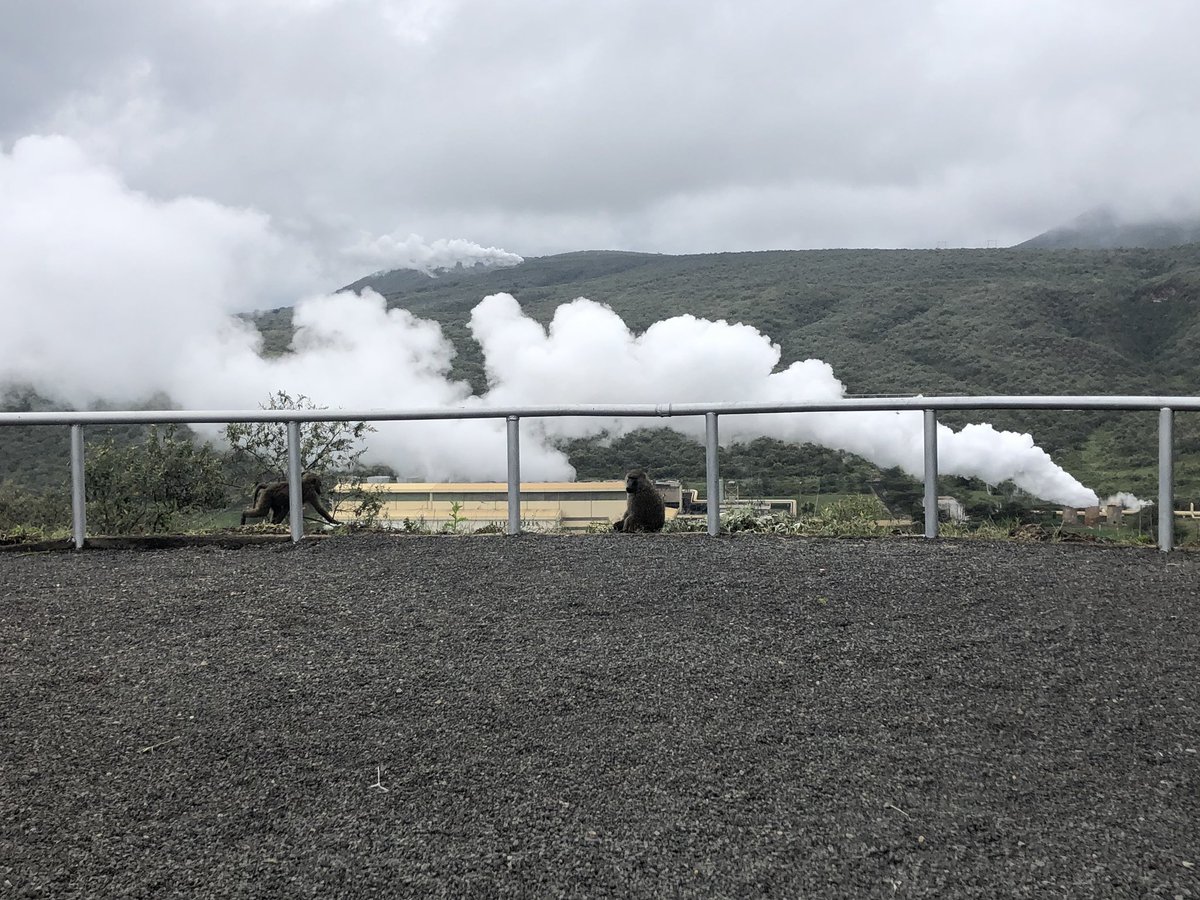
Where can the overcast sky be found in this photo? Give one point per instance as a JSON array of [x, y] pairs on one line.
[[164, 163], [346, 127]]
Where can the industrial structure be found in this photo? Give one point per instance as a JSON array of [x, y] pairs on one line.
[[1091, 516], [691, 504], [571, 506]]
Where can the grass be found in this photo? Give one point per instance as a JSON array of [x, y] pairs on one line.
[[31, 534], [849, 515]]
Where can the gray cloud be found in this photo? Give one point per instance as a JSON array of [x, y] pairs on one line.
[[665, 126]]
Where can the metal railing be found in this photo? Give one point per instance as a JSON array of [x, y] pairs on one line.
[[1166, 407]]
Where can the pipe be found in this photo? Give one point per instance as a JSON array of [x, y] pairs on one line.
[[295, 488], [711, 470], [1166, 481], [514, 475], [78, 491], [931, 474], [114, 417]]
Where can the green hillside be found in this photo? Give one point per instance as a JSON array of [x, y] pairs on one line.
[[900, 322], [1103, 228], [1016, 321]]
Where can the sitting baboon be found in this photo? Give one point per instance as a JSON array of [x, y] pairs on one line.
[[271, 499], [644, 510]]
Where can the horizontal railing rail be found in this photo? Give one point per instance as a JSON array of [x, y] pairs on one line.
[[1166, 406], [636, 410]]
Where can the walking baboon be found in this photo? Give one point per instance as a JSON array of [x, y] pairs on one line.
[[644, 509], [272, 500]]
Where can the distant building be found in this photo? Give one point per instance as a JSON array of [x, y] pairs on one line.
[[1091, 516], [952, 509], [690, 504], [559, 505]]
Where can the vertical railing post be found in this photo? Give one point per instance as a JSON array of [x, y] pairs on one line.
[[931, 474], [295, 489], [1166, 481], [78, 492], [514, 475], [711, 470]]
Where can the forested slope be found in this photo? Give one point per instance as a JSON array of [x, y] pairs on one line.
[[1017, 321], [1010, 321], [972, 321]]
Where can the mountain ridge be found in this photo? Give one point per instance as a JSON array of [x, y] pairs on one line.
[[1104, 229], [972, 322]]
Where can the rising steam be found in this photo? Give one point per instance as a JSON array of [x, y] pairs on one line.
[[588, 355], [109, 294], [390, 252]]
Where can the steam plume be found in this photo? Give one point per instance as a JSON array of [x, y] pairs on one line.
[[588, 355], [1126, 500], [109, 294], [412, 252]]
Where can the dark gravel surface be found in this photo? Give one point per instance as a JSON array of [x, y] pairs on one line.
[[602, 716]]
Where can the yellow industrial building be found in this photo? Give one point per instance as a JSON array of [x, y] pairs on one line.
[[469, 506]]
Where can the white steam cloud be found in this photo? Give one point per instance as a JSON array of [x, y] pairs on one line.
[[412, 252], [588, 355], [1127, 500], [101, 287], [108, 294]]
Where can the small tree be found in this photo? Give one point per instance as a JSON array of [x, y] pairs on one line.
[[139, 489], [260, 449], [28, 514], [324, 446]]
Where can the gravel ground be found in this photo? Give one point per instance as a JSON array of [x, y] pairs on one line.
[[601, 716]]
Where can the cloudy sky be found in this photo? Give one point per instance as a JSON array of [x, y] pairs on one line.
[[166, 164], [357, 133]]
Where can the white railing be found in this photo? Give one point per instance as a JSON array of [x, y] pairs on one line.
[[1166, 407]]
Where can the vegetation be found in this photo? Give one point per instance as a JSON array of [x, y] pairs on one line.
[[153, 480], [38, 457], [260, 450], [141, 489], [848, 517], [324, 446], [889, 322], [902, 322], [27, 515]]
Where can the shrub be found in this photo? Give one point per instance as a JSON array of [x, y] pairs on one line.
[[24, 512], [141, 489]]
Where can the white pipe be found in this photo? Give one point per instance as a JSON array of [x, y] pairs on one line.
[[295, 488], [117, 417]]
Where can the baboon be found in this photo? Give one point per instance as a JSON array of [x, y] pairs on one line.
[[644, 510], [271, 500]]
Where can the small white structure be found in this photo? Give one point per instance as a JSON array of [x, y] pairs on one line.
[[952, 509]]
